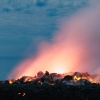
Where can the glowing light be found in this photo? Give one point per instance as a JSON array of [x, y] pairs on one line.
[[23, 94], [77, 78], [11, 81], [59, 70], [69, 50]]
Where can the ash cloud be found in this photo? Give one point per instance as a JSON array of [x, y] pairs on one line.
[[74, 47]]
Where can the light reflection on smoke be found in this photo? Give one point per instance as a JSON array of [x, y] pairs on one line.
[[74, 47]]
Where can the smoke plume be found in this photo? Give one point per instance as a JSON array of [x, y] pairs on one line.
[[75, 46]]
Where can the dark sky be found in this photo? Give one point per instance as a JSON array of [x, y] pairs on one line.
[[25, 23]]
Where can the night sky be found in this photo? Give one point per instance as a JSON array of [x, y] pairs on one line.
[[25, 23]]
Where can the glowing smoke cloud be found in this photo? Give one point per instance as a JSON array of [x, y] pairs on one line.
[[74, 47]]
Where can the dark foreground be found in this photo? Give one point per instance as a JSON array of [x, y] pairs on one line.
[[49, 92]]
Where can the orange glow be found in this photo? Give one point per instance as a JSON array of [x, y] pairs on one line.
[[58, 63], [11, 81], [28, 79], [77, 78], [63, 55], [71, 49]]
